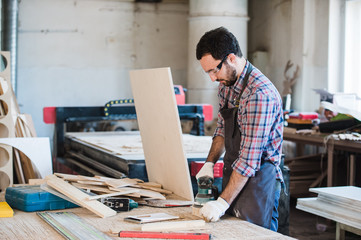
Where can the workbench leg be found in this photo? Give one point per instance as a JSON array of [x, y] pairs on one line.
[[300, 149], [352, 170], [329, 164], [340, 233]]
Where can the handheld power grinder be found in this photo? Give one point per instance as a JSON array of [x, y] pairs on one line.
[[206, 190]]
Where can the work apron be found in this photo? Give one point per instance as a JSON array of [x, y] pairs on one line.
[[255, 202]]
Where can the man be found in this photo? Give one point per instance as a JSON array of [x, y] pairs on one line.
[[249, 129]]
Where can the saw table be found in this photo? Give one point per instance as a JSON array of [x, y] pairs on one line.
[[123, 151]]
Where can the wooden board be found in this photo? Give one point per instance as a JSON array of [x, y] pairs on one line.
[[79, 197], [160, 130], [173, 226]]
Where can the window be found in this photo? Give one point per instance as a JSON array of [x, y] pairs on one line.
[[352, 69]]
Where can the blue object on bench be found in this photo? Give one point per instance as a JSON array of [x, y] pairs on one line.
[[32, 198]]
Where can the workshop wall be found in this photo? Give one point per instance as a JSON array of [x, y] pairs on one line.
[[79, 52], [297, 31]]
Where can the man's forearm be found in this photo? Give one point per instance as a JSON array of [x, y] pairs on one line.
[[234, 186], [216, 150]]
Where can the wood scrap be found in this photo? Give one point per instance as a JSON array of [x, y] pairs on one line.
[[28, 124], [125, 191], [118, 183], [148, 193], [160, 190], [26, 165], [150, 184], [102, 189], [167, 203], [18, 168], [75, 178], [36, 181], [90, 182], [173, 225], [79, 197]]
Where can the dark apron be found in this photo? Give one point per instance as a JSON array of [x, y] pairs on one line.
[[255, 202]]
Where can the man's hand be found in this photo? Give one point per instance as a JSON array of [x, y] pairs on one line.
[[213, 210], [206, 170]]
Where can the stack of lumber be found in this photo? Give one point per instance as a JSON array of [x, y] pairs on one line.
[[103, 187], [306, 172], [340, 204]]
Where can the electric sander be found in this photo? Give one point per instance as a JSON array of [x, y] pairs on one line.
[[206, 190]]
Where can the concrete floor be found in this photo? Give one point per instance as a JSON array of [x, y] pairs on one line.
[[306, 226]]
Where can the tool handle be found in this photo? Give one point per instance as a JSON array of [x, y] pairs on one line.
[[171, 235]]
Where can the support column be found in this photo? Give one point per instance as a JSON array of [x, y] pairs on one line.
[[205, 15]]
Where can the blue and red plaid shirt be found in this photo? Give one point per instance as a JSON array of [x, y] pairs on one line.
[[260, 121]]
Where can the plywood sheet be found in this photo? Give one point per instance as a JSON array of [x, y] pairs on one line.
[[160, 130], [37, 149], [346, 194]]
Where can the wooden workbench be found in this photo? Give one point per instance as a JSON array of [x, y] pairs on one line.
[[325, 140], [26, 225]]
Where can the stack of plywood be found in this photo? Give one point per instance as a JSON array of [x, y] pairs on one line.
[[340, 204]]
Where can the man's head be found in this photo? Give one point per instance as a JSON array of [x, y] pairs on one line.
[[218, 49], [218, 42]]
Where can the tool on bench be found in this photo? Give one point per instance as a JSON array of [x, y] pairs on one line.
[[141, 234], [70, 226], [116, 203], [119, 204], [206, 190]]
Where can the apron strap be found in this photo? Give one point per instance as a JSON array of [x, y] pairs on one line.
[[244, 84]]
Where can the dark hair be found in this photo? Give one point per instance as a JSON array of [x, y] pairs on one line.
[[219, 43]]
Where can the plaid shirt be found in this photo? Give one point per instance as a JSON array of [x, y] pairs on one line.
[[260, 121]]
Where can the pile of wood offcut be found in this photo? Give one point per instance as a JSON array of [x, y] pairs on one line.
[[102, 187]]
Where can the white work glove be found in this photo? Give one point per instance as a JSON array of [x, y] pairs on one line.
[[213, 210], [206, 170]]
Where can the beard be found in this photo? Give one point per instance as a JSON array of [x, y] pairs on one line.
[[231, 76]]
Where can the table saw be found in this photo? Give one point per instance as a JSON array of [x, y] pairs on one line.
[[117, 153]]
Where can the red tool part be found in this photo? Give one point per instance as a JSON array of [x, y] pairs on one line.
[[141, 234], [196, 166]]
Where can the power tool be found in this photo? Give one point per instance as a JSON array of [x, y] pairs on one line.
[[206, 190]]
